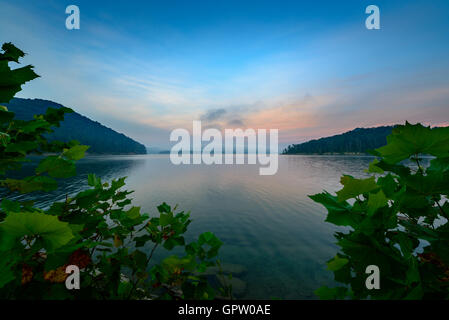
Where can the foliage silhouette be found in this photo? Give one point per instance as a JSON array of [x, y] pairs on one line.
[[98, 229], [398, 220]]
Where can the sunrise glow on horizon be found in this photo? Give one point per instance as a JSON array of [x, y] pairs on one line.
[[309, 70]]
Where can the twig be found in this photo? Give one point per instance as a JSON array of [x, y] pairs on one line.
[[441, 209]]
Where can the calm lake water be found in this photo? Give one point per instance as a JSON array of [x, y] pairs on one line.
[[271, 230]]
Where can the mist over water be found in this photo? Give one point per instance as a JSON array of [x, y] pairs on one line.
[[271, 230]]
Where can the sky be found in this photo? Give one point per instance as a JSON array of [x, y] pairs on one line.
[[307, 68]]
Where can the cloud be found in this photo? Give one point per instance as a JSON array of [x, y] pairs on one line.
[[316, 85], [213, 114], [231, 116], [236, 123]]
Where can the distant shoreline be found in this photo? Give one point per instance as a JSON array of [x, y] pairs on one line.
[[328, 154]]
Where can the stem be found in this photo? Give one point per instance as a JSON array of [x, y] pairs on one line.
[[134, 283], [66, 203], [98, 238], [442, 211], [151, 254], [417, 162]]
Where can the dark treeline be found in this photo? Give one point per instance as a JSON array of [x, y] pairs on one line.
[[101, 139], [356, 141]]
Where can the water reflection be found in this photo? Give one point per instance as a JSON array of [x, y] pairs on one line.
[[106, 167], [269, 226]]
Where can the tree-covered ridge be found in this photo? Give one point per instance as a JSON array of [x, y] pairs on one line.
[[355, 141], [101, 139]]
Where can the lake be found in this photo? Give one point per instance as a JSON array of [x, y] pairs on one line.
[[274, 236]]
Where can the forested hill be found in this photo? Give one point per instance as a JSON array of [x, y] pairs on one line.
[[101, 139], [356, 141]]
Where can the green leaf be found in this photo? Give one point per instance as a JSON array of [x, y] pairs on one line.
[[339, 213], [432, 183], [5, 115], [11, 52], [54, 116], [22, 147], [10, 206], [326, 293], [56, 167], [416, 294], [373, 168], [439, 165], [405, 242], [133, 213], [4, 139], [376, 201], [172, 242], [408, 140], [117, 183], [142, 240], [93, 180], [11, 81], [354, 187], [336, 263], [164, 208], [53, 232], [55, 260], [388, 185], [33, 125], [165, 219], [6, 274], [212, 241], [76, 152], [30, 184], [140, 259]]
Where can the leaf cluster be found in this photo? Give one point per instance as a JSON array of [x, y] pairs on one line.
[[397, 220], [99, 230]]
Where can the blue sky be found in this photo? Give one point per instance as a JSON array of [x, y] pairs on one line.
[[307, 68]]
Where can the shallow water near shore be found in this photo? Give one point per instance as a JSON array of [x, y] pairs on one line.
[[275, 239]]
